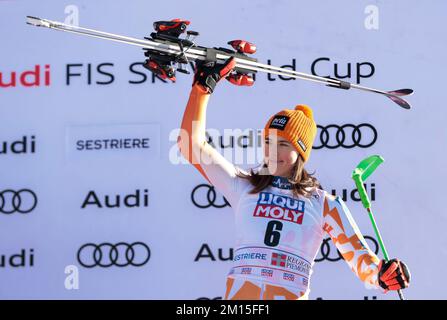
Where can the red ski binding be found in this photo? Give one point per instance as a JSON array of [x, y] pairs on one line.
[[175, 27], [164, 71], [243, 46], [241, 79]]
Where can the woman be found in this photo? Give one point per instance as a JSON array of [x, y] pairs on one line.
[[281, 212]]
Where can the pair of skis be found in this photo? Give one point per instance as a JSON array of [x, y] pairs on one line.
[[165, 49]]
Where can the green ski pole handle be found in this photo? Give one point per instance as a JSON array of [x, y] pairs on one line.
[[361, 188], [367, 204], [365, 168]]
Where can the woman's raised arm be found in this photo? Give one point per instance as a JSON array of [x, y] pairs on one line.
[[192, 140]]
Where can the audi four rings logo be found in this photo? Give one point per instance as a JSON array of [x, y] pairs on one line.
[[327, 252], [22, 201], [106, 255], [346, 136], [204, 196]]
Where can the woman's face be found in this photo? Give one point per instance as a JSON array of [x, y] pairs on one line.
[[279, 155]]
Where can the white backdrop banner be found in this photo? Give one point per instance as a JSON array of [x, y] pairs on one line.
[[95, 201]]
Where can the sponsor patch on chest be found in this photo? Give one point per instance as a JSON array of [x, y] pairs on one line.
[[279, 207]]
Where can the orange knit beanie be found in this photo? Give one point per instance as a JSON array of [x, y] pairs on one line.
[[296, 126]]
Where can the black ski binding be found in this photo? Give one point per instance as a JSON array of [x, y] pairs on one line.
[[168, 32]]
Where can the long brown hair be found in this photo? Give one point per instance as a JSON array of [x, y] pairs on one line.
[[300, 179]]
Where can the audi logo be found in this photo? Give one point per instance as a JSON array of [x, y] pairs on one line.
[[204, 196], [22, 201], [346, 136], [106, 255], [326, 249]]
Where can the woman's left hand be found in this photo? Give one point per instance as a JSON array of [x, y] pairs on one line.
[[393, 275]]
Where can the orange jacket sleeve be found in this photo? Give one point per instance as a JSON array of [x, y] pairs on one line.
[[345, 234], [195, 114]]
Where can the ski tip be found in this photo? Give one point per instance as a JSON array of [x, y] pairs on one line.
[[401, 92], [396, 94], [34, 21], [401, 102]]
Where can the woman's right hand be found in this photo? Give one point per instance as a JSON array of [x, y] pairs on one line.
[[208, 74]]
